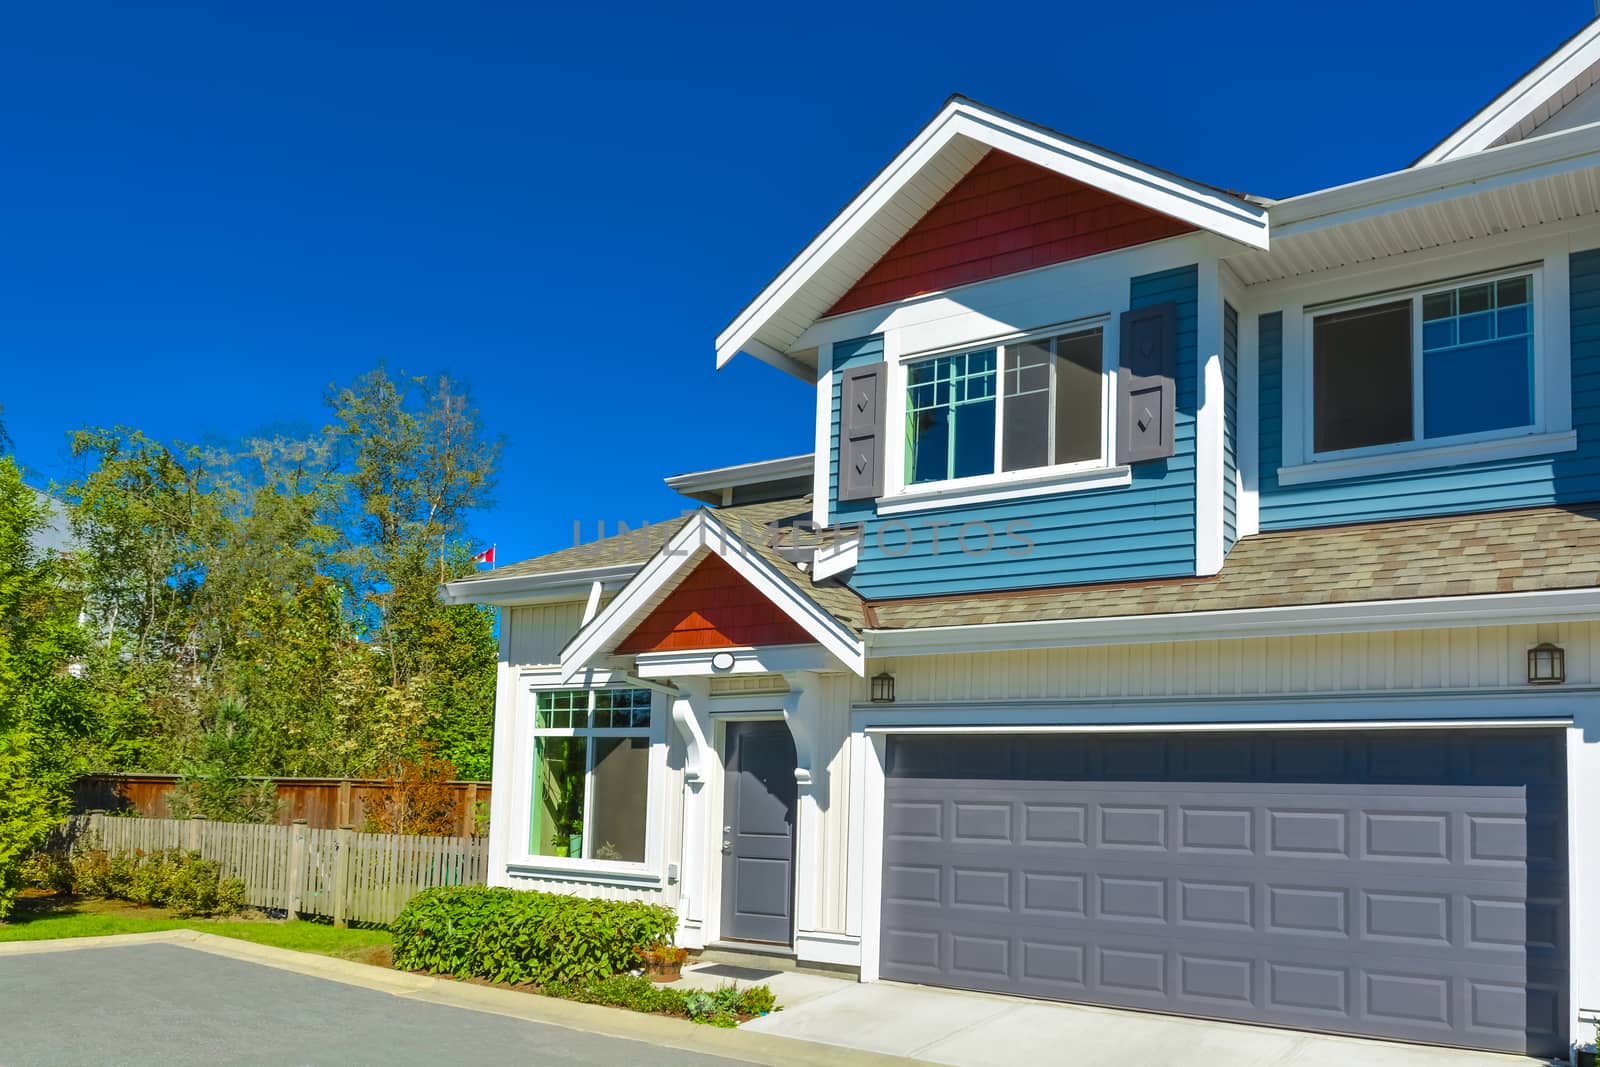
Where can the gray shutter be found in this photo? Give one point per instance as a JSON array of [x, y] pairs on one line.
[[861, 433], [1147, 383]]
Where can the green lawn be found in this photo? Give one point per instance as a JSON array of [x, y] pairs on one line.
[[44, 921]]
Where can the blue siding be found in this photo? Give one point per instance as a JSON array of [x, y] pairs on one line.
[[1144, 530], [1569, 477], [856, 353], [1230, 427]]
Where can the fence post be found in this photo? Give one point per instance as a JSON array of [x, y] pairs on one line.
[[469, 817], [191, 833], [342, 816], [97, 827], [294, 886], [344, 843]]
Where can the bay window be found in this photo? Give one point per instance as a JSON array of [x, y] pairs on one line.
[[1440, 363], [1031, 404], [591, 774]]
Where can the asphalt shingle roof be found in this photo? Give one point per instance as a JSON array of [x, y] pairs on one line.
[[1531, 550]]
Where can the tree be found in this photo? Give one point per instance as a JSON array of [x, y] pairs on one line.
[[43, 704], [213, 783]]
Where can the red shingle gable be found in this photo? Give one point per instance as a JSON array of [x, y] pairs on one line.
[[713, 607], [1005, 216]]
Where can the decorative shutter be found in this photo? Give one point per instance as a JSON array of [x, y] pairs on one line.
[[1147, 383], [861, 433]]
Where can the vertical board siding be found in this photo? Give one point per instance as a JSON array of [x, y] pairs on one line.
[[538, 633], [1411, 662], [1568, 477], [1144, 530], [1005, 215], [1230, 426]]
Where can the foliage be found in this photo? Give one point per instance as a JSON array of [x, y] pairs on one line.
[[629, 991], [182, 881], [516, 936], [213, 785], [270, 606], [717, 1008], [43, 703], [48, 920], [757, 1000], [416, 798]]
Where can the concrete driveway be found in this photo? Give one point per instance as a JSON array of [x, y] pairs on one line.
[[983, 1030]]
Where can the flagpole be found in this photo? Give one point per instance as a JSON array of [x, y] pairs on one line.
[[494, 557]]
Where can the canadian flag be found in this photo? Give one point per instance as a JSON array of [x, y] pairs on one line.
[[486, 556]]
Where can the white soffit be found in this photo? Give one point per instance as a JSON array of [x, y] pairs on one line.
[[1499, 190], [924, 171], [1531, 101]]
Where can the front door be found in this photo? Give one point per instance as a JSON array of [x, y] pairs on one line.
[[758, 806]]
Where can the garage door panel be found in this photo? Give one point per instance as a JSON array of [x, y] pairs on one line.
[[1416, 909]]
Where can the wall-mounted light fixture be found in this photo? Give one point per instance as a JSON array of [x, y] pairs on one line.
[[1547, 664], [883, 688]]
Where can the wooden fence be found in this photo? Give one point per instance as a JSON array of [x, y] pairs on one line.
[[324, 803], [302, 869]]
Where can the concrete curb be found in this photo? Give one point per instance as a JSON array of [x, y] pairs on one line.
[[740, 1044]]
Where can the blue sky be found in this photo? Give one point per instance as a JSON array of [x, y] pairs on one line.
[[209, 214]]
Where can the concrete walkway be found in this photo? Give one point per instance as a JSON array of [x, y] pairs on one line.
[[984, 1030]]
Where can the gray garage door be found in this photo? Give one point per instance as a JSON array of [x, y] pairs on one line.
[[1405, 885]]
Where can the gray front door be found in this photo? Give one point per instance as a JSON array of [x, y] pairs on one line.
[[758, 804], [1393, 884]]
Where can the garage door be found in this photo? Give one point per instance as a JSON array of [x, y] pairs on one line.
[[1403, 885]]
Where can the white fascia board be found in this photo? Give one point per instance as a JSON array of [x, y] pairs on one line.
[[536, 588], [1526, 96], [766, 470], [705, 531], [1199, 205], [1494, 609], [1512, 164]]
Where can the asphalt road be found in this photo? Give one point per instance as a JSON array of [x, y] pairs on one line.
[[169, 1005]]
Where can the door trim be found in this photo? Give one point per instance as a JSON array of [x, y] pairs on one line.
[[770, 710]]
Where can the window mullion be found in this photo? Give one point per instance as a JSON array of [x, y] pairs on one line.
[[1418, 431], [999, 406], [1052, 399]]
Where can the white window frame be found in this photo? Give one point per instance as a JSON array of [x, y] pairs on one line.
[[899, 496], [1550, 432], [523, 859]]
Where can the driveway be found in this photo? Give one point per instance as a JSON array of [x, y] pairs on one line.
[[158, 1000]]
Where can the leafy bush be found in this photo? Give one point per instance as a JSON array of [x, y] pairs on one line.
[[625, 991], [172, 878], [511, 935], [757, 1000], [49, 869]]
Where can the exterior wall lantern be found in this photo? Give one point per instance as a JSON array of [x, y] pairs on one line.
[[1547, 664], [883, 688]]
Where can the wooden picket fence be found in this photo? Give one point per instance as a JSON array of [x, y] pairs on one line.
[[303, 870]]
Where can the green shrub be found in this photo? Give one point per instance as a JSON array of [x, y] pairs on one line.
[[182, 881], [517, 936], [49, 869], [625, 991], [757, 1000]]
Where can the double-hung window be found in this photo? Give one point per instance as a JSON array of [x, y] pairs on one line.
[[1031, 404], [1450, 362], [591, 774]]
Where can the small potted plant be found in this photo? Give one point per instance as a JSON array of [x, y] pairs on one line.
[[662, 962]]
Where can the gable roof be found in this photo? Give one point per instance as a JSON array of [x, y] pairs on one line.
[[1530, 101], [831, 613], [927, 168]]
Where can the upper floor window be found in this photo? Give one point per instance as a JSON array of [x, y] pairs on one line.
[[591, 773], [1034, 403], [1441, 363]]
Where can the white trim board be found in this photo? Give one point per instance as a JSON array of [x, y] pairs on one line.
[[953, 142]]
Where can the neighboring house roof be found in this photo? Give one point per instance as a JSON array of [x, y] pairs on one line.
[[56, 533], [1524, 551], [767, 479]]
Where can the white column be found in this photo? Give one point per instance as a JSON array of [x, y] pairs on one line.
[[691, 715], [508, 760], [801, 708]]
